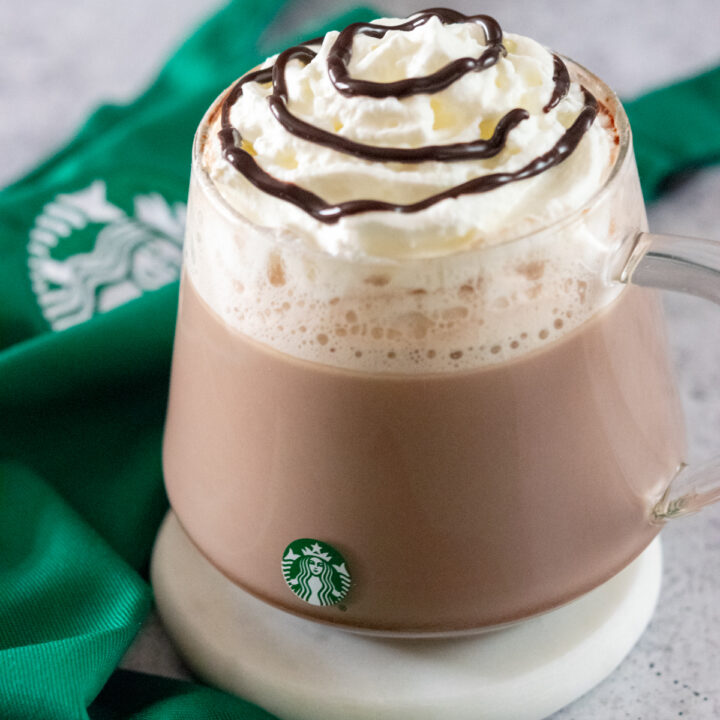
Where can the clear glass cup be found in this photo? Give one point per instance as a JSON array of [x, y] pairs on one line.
[[438, 445]]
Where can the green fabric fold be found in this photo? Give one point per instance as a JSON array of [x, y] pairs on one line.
[[85, 344], [676, 129], [69, 606], [136, 696], [85, 407]]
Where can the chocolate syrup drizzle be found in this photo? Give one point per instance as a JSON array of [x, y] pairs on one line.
[[338, 59], [561, 78], [339, 56]]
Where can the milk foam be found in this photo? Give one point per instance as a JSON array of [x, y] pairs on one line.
[[441, 289]]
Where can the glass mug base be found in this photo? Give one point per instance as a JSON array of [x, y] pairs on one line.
[[284, 664]]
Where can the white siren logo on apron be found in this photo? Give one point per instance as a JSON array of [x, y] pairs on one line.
[[315, 572], [88, 256]]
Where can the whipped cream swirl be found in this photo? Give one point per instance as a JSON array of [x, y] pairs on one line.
[[409, 138]]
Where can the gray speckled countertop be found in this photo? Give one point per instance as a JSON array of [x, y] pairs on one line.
[[74, 55]]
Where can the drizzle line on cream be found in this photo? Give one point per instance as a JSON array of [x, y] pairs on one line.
[[561, 78], [341, 51], [338, 57], [453, 151]]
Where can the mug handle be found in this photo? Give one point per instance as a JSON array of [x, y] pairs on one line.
[[687, 265]]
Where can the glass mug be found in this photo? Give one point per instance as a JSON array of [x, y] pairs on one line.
[[435, 445]]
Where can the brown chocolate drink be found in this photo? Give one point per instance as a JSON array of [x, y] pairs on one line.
[[448, 494], [408, 392]]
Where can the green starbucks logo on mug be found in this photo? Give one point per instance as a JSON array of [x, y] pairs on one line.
[[315, 571]]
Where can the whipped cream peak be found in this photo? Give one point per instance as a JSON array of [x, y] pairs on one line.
[[409, 138]]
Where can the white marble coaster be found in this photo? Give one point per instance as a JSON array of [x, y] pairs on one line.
[[300, 670]]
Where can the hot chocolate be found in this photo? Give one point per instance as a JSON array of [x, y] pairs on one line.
[[459, 500], [399, 338]]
